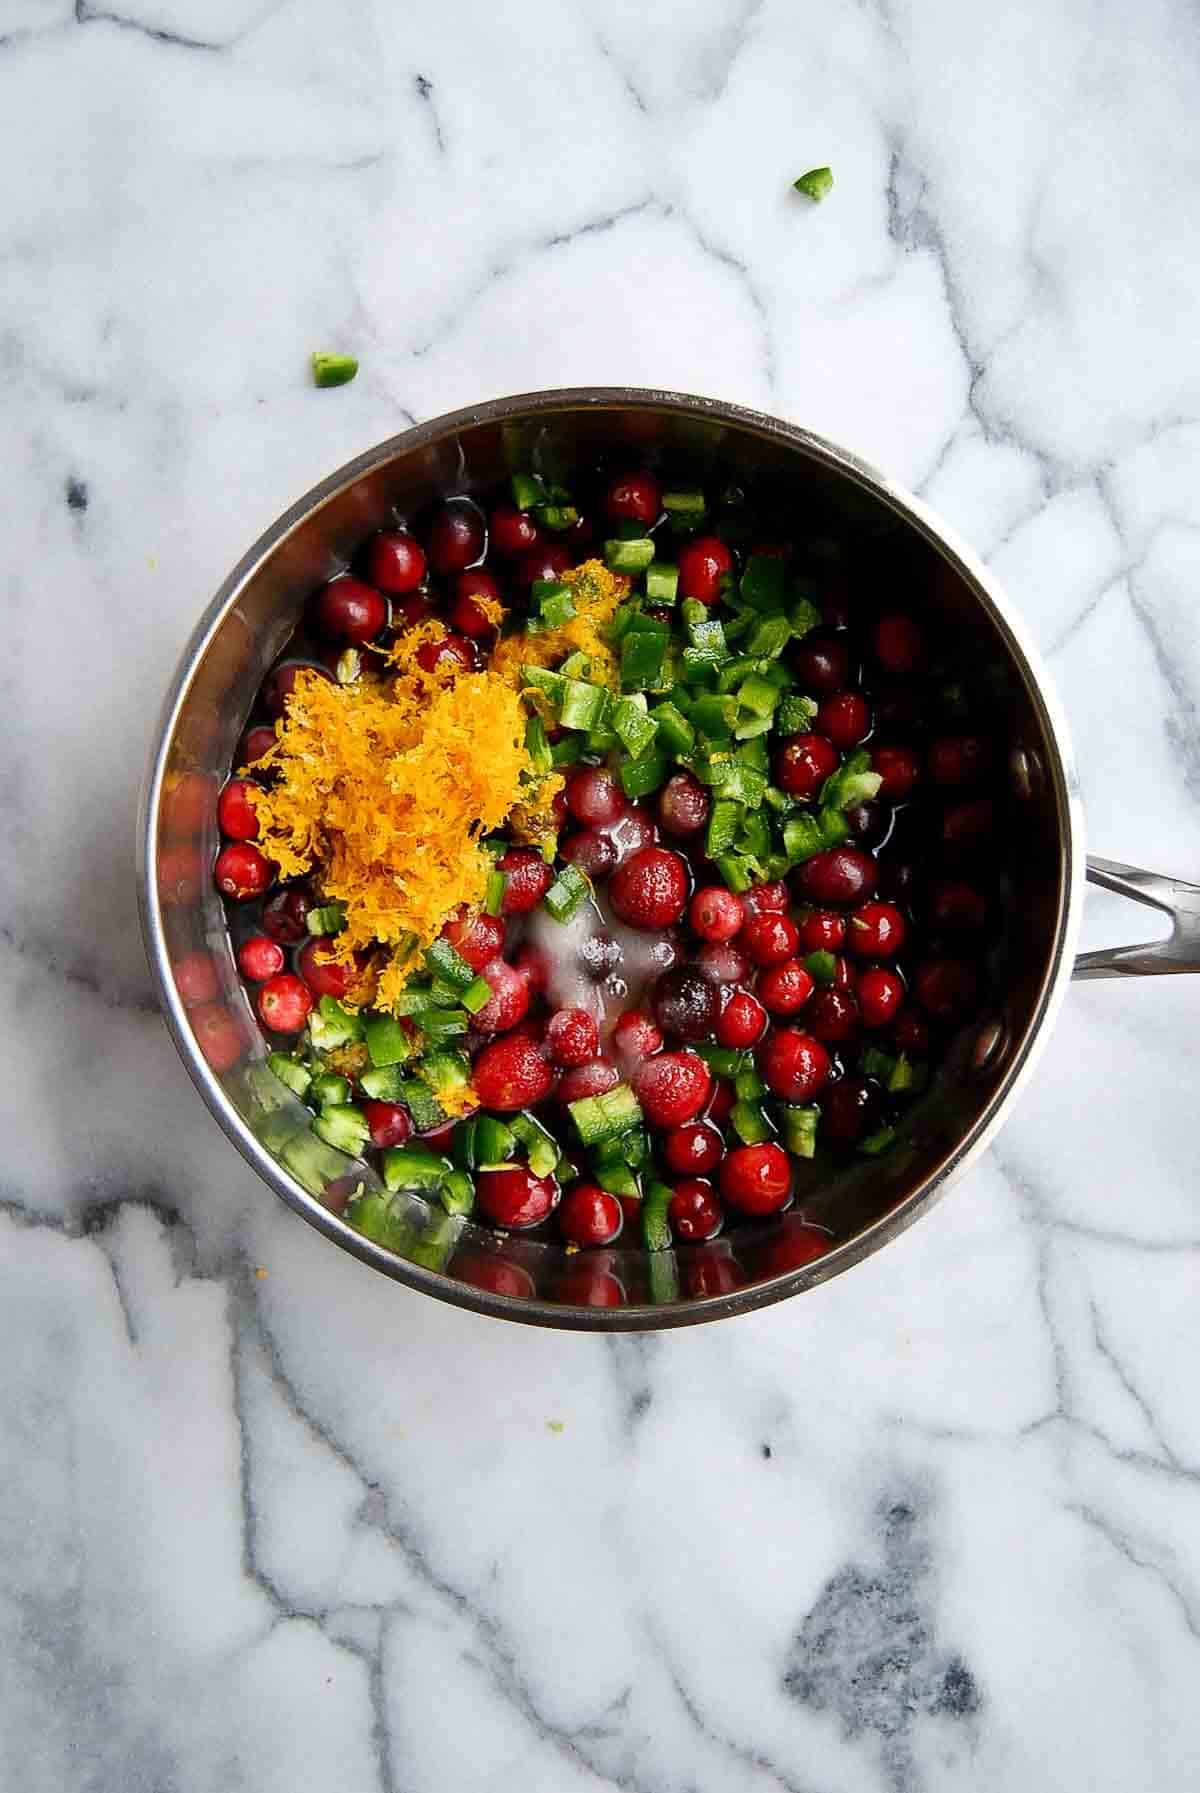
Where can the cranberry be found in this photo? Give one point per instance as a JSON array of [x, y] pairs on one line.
[[849, 1107], [495, 1275], [241, 872], [967, 825], [721, 1103], [589, 1216], [453, 653], [742, 1022], [782, 989], [196, 978], [756, 1179], [716, 913], [594, 796], [911, 1033], [285, 915], [843, 977], [548, 560], [897, 643], [685, 1002], [845, 717], [218, 1036], [822, 931], [634, 498], [589, 1285], [869, 822], [945, 988], [476, 938], [683, 804], [235, 810], [514, 1197], [694, 1149], [803, 764], [254, 744], [598, 955], [880, 995], [694, 1211], [959, 759], [822, 662], [455, 536], [348, 610], [722, 962], [395, 562], [702, 563], [631, 833], [636, 1036], [899, 769], [512, 531], [408, 612], [794, 1064], [529, 878], [279, 685], [509, 1001], [466, 614], [511, 1074], [833, 1016], [595, 1078], [957, 906], [572, 1037], [530, 961], [285, 1003], [765, 899], [325, 975], [838, 875], [259, 958], [650, 889], [388, 1122], [876, 931], [671, 1087], [769, 939], [593, 853]]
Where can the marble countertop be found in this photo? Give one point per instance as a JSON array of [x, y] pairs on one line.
[[270, 1522]]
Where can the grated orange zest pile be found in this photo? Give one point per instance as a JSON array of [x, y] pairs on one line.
[[596, 592]]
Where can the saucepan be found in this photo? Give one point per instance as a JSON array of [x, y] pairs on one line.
[[863, 1207]]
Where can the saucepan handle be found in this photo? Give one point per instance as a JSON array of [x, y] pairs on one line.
[[1180, 951]]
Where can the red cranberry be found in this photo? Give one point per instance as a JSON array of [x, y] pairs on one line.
[[593, 853], [634, 498], [968, 825], [348, 610], [803, 764], [945, 988], [833, 1016], [782, 989], [849, 1108], [235, 810], [794, 1064], [899, 769], [631, 833], [241, 872], [259, 958], [408, 612], [636, 1036], [721, 1103], [685, 1002], [683, 804], [218, 1036], [957, 906], [822, 931], [530, 961], [911, 1033], [594, 796], [509, 1001], [822, 662], [285, 915], [876, 931], [325, 975], [880, 995], [694, 1211], [589, 1284], [694, 1149], [742, 1022], [455, 536], [959, 759], [389, 1124], [196, 978], [572, 1037], [466, 613], [279, 685], [495, 1275], [514, 1197], [897, 643], [716, 913], [650, 889], [756, 1180], [765, 899], [548, 560], [838, 875], [529, 878], [846, 718], [593, 1079], [452, 653], [671, 1087], [589, 1216], [843, 977], [476, 938], [769, 939], [395, 562], [722, 962], [598, 954], [511, 1074], [869, 822], [702, 563], [512, 531], [254, 744], [285, 1003]]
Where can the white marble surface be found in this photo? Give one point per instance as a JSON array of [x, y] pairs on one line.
[[938, 1524]]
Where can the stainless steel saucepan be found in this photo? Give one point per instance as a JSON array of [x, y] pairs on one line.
[[248, 623]]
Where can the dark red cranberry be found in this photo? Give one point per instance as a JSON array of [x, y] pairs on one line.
[[598, 955], [769, 939], [631, 833], [832, 1015], [218, 1036], [650, 889], [957, 906], [512, 531], [765, 899], [910, 1031], [723, 962], [511, 1074], [285, 915], [899, 769], [389, 1124], [715, 913], [279, 685], [259, 958], [513, 1197], [548, 560], [742, 1022], [721, 1103], [838, 876], [959, 759], [456, 536], [876, 931], [579, 536], [782, 989], [683, 805], [849, 1108], [945, 988], [593, 1079], [685, 1003], [241, 872], [589, 1215], [694, 1211], [589, 1284], [495, 1275], [822, 662], [285, 1003], [634, 498], [843, 976], [880, 995], [531, 962], [572, 1037], [756, 1180], [593, 853], [635, 1036], [509, 1001], [794, 1064], [822, 931], [966, 826], [325, 975], [803, 764], [897, 643], [348, 610], [466, 613], [528, 880], [695, 1149], [594, 796], [868, 822], [476, 938], [845, 718], [453, 652], [408, 612], [196, 978], [395, 562], [236, 814], [672, 1087], [253, 744], [703, 562]]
